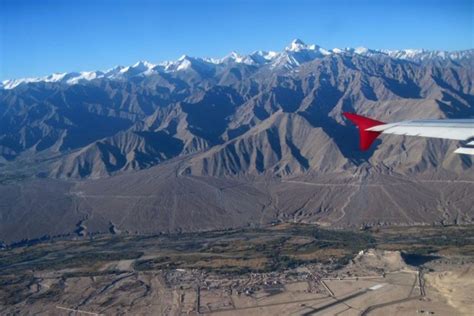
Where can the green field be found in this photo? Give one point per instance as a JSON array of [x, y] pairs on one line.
[[234, 251]]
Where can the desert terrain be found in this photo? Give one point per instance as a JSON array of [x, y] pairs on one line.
[[283, 269]]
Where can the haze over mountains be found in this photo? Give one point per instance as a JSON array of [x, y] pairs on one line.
[[195, 136]]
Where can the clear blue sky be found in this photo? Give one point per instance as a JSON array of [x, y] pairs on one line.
[[39, 37]]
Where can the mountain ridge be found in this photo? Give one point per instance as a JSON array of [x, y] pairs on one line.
[[104, 127], [227, 144], [292, 55]]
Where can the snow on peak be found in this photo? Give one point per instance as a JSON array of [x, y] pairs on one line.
[[84, 76], [295, 54], [422, 54], [184, 57], [361, 50], [139, 68], [297, 45], [262, 57], [56, 77], [184, 64], [143, 65], [235, 58]]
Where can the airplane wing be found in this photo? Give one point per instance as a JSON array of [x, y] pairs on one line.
[[462, 130]]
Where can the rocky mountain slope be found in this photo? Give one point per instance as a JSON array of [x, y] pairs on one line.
[[259, 118], [262, 113]]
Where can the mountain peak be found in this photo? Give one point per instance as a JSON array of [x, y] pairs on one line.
[[297, 41], [295, 54], [296, 45], [143, 64]]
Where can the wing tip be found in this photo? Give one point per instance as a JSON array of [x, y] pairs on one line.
[[366, 138]]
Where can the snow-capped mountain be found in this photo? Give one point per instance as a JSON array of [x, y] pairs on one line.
[[295, 54], [244, 123]]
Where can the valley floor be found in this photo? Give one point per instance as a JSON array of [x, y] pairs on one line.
[[286, 269]]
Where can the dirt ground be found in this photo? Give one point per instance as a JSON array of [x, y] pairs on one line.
[[457, 287]]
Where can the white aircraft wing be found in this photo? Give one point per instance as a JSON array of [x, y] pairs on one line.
[[462, 130]]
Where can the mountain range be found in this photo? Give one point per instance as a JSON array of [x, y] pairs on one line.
[[293, 56], [203, 143]]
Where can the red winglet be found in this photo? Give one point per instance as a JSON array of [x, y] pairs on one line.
[[363, 123]]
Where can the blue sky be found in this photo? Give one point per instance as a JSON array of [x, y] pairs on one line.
[[39, 37]]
